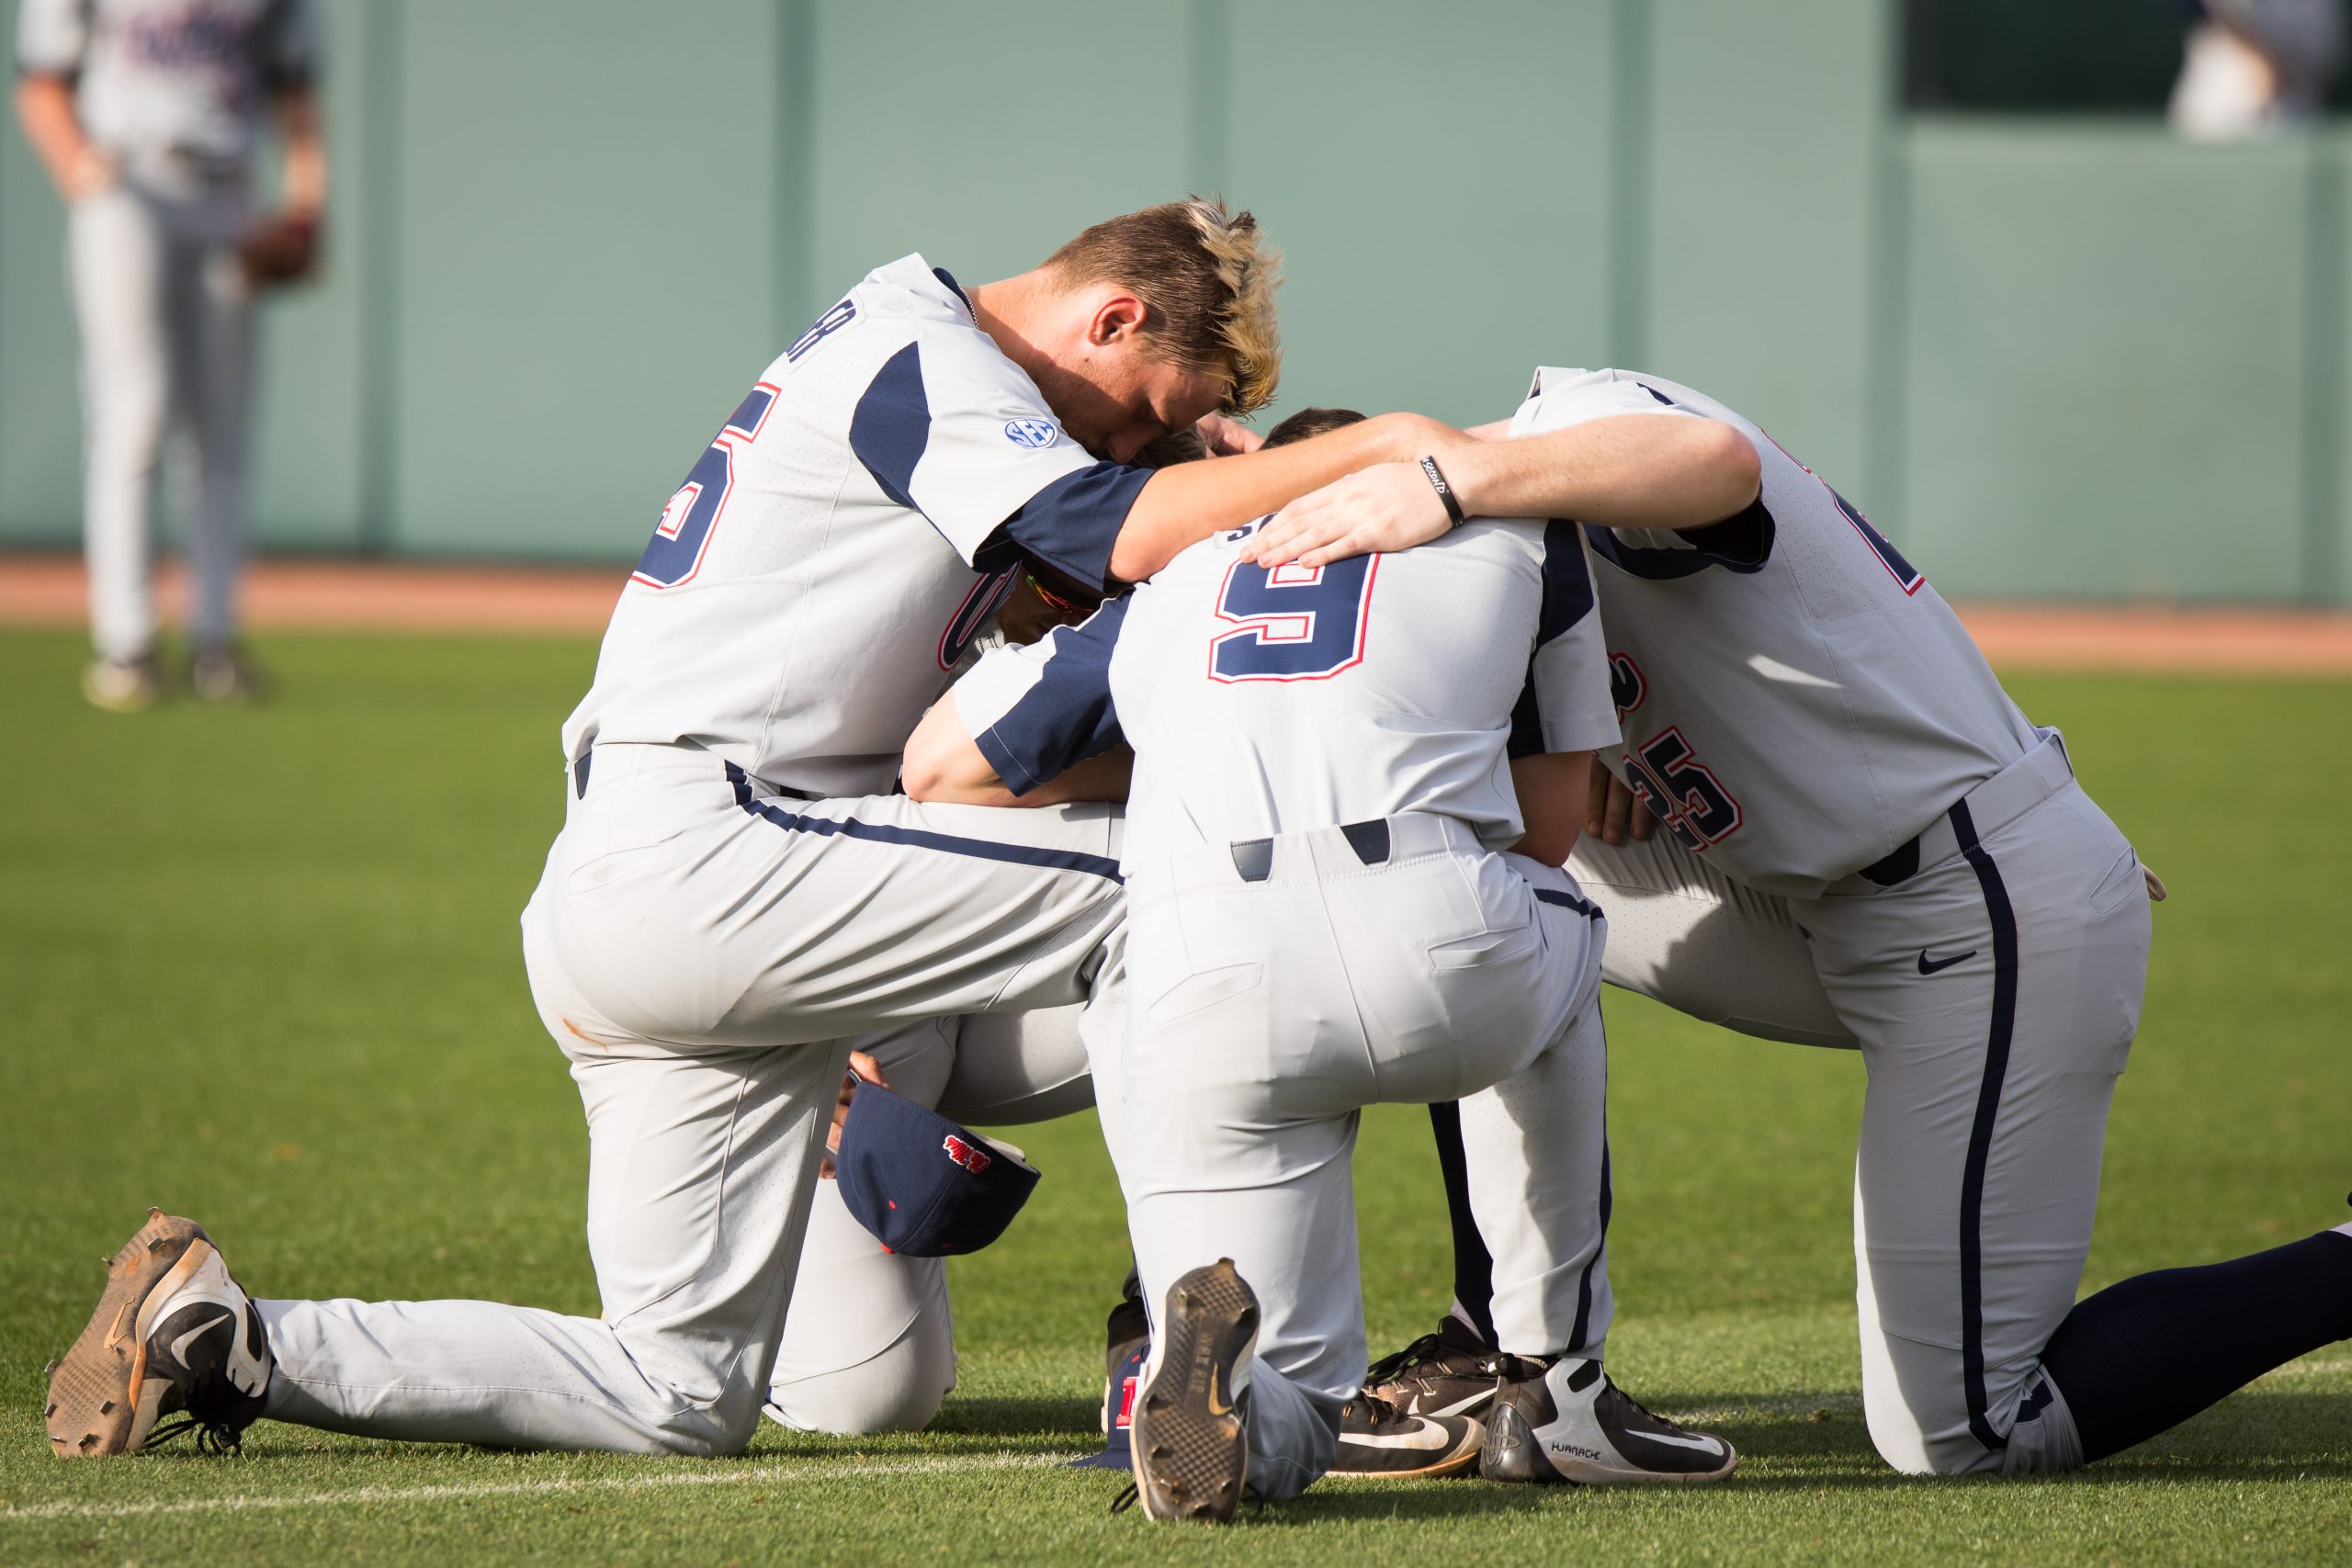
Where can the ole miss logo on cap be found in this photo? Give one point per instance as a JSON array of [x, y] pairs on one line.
[[964, 1153]]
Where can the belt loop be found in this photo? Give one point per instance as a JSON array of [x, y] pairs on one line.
[[1253, 859], [1369, 839]]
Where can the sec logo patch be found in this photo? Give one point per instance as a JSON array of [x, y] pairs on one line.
[[1031, 431]]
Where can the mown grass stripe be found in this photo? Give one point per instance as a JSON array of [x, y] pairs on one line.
[[816, 1469]]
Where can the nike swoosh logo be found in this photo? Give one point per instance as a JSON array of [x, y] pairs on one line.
[[1428, 1434], [180, 1345], [115, 1335], [1459, 1406], [1938, 965], [1218, 1404], [1704, 1445]]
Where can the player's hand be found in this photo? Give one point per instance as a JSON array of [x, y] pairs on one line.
[[1614, 813], [90, 172], [863, 1068], [1226, 438], [1389, 506]]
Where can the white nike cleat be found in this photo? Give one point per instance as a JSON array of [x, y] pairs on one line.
[[173, 1333], [1564, 1421], [1190, 1437], [1378, 1438]]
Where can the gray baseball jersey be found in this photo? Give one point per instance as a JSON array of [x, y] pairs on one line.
[[1263, 702], [843, 539], [1884, 712], [185, 78]]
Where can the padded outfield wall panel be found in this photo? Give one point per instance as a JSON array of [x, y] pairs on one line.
[[1440, 198], [586, 264], [985, 137], [1763, 122], [2108, 363], [40, 410]]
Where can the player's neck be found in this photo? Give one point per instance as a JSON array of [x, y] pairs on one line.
[[1013, 312]]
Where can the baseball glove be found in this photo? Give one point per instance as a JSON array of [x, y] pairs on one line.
[[279, 249]]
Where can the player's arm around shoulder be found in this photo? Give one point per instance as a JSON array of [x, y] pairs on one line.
[[1027, 726], [1643, 468], [944, 764]]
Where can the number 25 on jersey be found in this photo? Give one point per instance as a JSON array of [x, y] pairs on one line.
[[683, 536], [1292, 623]]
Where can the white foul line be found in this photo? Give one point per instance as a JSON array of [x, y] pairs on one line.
[[728, 1476]]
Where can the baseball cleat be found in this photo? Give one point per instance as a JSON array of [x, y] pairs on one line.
[[1450, 1372], [173, 1335], [1378, 1438], [1192, 1443], [123, 685], [1127, 1336], [225, 675], [1562, 1420]]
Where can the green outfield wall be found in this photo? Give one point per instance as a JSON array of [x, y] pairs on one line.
[[2051, 357]]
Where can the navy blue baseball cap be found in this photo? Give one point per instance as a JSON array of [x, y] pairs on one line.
[[925, 1185]]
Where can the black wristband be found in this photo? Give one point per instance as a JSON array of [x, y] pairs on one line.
[[1444, 491]]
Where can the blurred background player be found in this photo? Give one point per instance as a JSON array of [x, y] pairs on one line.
[[145, 113]]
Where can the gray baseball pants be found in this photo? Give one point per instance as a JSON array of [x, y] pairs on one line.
[[1264, 1015], [689, 951], [1994, 996], [167, 344]]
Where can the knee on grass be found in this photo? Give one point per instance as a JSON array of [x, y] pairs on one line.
[[899, 1390]]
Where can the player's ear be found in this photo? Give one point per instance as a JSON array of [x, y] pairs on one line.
[[1116, 319]]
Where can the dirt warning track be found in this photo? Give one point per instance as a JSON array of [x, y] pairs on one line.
[[48, 590]]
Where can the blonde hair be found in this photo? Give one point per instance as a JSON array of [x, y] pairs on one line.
[[1207, 285]]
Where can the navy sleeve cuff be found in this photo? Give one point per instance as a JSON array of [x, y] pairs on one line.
[[1068, 716], [1071, 523]]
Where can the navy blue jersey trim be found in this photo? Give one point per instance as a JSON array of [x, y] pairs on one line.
[[954, 287], [892, 425], [1473, 1266], [1980, 1130], [1741, 542], [1584, 906], [1071, 523], [1576, 1337], [1567, 599], [1068, 716], [916, 838]]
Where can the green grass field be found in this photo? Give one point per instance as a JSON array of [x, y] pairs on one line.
[[261, 967]]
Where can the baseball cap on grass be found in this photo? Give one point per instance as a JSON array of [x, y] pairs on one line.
[[925, 1185]]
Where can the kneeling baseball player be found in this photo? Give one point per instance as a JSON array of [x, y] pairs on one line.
[[1353, 788], [1865, 843]]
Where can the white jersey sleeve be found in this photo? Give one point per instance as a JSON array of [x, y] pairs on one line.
[[1037, 710], [953, 429], [1566, 706], [53, 37]]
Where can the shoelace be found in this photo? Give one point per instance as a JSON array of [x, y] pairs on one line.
[[1387, 1369], [211, 1436], [1134, 1493]]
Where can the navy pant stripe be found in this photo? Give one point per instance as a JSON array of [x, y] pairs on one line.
[[916, 838], [1980, 1131], [1584, 1285], [1590, 911], [1473, 1266]]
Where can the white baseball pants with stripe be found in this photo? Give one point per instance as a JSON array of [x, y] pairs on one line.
[[167, 349], [1994, 996], [1263, 1016], [705, 954]]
